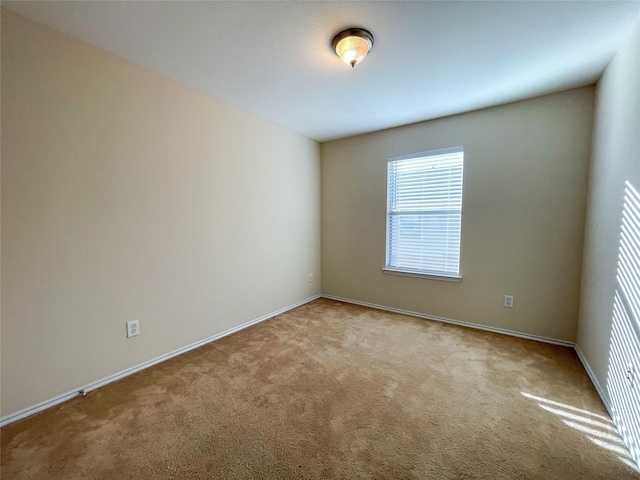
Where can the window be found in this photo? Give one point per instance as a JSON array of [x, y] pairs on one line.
[[424, 213]]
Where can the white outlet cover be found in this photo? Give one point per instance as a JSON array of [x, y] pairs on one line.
[[508, 301], [133, 328]]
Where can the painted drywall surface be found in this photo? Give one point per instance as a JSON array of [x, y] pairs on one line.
[[525, 177], [615, 160], [128, 196], [609, 342]]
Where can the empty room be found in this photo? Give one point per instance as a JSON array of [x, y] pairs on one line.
[[315, 239]]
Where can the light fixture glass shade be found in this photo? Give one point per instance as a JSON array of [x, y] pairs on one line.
[[352, 45]]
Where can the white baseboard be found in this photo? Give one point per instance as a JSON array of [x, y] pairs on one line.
[[13, 417], [594, 380], [583, 360], [512, 333], [604, 397]]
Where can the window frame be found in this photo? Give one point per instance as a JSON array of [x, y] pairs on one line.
[[394, 270]]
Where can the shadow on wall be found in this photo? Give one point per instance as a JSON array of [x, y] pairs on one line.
[[623, 375]]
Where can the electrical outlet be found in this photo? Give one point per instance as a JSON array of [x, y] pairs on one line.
[[508, 301], [310, 277], [629, 375], [133, 328]]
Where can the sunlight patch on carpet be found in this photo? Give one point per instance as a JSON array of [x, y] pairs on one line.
[[599, 429]]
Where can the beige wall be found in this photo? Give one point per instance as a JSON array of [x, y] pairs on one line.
[[615, 161], [524, 200], [128, 196]]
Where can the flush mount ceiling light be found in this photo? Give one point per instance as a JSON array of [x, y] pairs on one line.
[[352, 45]]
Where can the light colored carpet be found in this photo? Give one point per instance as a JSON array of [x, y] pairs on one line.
[[331, 390]]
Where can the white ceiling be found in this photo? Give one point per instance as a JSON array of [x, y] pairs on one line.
[[430, 59]]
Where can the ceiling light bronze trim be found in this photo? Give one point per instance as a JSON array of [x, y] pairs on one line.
[[352, 32], [353, 52]]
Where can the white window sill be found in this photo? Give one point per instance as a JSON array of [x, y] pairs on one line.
[[432, 276]]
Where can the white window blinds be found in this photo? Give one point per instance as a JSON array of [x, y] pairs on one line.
[[424, 212]]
